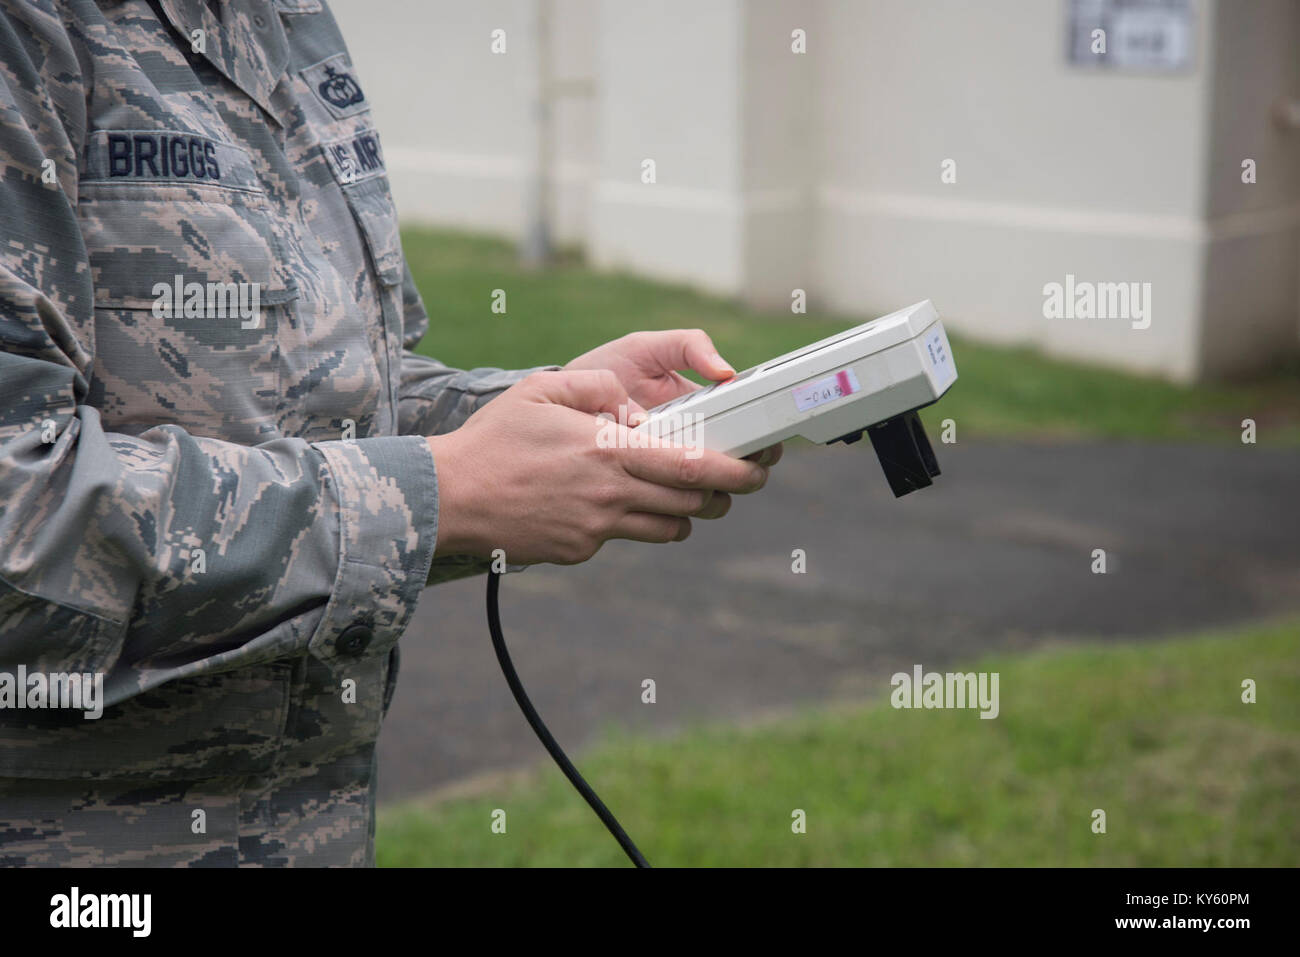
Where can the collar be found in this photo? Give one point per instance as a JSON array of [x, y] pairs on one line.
[[248, 45]]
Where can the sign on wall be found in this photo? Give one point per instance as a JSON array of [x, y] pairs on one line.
[[1137, 35]]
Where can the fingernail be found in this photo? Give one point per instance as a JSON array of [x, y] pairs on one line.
[[722, 363]]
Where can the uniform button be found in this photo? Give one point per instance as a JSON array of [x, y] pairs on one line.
[[354, 640], [259, 21]]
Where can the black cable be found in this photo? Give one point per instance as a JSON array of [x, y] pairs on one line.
[[544, 735]]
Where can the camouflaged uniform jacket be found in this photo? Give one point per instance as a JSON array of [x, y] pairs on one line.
[[181, 507]]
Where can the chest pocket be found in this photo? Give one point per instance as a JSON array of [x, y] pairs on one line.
[[191, 284]]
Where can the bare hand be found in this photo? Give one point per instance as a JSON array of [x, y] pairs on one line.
[[526, 474]]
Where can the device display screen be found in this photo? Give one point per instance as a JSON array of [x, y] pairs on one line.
[[876, 325], [815, 347]]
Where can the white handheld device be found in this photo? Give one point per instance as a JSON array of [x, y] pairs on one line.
[[870, 378]]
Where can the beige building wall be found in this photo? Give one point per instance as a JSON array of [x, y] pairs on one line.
[[1060, 171], [1252, 261], [822, 171], [455, 118], [670, 76]]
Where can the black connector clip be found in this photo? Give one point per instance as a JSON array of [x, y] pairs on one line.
[[904, 452]]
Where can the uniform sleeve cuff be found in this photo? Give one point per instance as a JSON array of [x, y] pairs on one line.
[[386, 494], [490, 386]]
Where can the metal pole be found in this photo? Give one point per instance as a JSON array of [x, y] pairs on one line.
[[536, 247]]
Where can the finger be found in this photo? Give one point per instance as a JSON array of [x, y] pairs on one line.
[[687, 349], [680, 384], [680, 502], [767, 457], [718, 505], [643, 527], [587, 390], [680, 467], [642, 496]]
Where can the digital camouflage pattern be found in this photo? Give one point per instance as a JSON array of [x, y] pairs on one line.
[[284, 452]]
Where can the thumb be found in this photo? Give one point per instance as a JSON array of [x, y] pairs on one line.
[[589, 390], [690, 349]]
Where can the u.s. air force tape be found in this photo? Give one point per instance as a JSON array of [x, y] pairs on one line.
[[355, 158]]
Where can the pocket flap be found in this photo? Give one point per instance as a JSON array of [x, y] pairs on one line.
[[141, 238], [357, 163]]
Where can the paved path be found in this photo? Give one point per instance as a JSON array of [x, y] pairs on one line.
[[997, 555]]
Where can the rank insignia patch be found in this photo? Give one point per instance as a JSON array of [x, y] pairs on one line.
[[336, 86]]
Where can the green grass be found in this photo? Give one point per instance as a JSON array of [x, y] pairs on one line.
[[555, 315], [1155, 734]]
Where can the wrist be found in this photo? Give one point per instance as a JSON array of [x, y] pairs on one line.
[[456, 535]]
